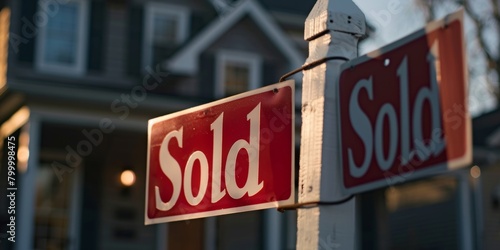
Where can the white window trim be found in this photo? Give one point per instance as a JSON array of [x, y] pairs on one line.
[[81, 54], [153, 8], [224, 56]]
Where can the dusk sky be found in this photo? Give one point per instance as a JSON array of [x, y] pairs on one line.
[[407, 19]]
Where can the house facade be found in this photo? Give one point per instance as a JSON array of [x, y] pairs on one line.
[[83, 79]]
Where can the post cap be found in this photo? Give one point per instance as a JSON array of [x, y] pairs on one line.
[[335, 15]]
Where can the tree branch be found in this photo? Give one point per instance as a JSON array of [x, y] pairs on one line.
[[480, 24], [480, 27], [426, 6]]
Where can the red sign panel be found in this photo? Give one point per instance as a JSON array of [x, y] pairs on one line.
[[403, 109], [233, 155]]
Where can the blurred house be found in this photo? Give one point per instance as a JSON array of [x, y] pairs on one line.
[[83, 77]]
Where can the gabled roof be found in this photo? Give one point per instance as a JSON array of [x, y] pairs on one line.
[[185, 61]]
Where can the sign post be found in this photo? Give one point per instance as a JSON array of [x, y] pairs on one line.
[[333, 29]]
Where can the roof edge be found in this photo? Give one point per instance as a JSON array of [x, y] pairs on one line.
[[185, 61]]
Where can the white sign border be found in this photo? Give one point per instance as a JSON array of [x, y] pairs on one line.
[[289, 201]]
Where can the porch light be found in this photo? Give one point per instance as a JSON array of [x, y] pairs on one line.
[[127, 178], [475, 172]]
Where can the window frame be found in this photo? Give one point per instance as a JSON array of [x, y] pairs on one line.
[[226, 56], [152, 9], [79, 67]]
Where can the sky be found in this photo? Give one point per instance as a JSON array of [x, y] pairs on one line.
[[393, 24]]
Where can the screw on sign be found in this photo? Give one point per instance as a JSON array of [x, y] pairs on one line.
[[398, 109], [229, 156]]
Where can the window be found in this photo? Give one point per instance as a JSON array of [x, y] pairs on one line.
[[237, 72], [165, 27], [56, 212], [61, 45]]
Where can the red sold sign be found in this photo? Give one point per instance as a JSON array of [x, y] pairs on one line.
[[404, 111], [229, 156]]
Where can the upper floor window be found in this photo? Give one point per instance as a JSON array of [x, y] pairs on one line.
[[165, 27], [61, 44], [237, 72]]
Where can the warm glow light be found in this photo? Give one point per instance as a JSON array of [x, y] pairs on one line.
[[4, 43], [127, 178], [23, 153], [475, 172], [15, 122]]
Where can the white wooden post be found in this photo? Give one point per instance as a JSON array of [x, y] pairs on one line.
[[333, 29]]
